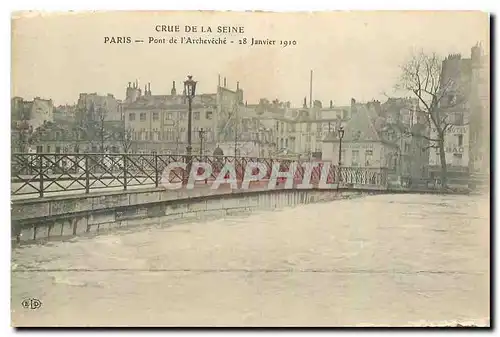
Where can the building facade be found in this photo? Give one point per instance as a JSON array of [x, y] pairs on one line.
[[159, 123], [465, 105], [33, 113], [91, 106], [72, 137], [479, 149], [363, 145], [26, 118]]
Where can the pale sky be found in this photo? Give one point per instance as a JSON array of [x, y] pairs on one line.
[[352, 54]]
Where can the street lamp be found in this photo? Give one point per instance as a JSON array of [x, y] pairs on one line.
[[341, 135], [190, 91], [201, 134]]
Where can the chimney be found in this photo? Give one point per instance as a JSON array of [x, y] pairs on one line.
[[219, 81], [173, 92], [237, 85], [305, 102], [331, 104], [353, 106], [224, 82]]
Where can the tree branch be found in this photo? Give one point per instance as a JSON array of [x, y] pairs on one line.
[[429, 147]]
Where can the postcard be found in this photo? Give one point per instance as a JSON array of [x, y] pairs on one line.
[[250, 169]]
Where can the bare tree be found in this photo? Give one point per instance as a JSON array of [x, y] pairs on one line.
[[126, 139], [423, 76], [98, 133], [102, 133]]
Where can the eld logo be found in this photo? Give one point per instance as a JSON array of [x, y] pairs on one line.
[[31, 303]]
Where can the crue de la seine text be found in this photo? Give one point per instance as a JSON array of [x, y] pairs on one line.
[[201, 35], [200, 29]]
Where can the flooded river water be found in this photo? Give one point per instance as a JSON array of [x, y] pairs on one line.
[[380, 260]]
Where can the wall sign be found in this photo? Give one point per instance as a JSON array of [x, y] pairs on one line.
[[358, 145], [458, 149]]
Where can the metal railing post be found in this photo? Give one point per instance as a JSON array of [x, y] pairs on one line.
[[40, 168], [156, 170], [87, 174], [125, 172]]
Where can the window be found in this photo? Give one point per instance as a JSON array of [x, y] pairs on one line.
[[143, 116], [131, 116], [368, 157], [308, 127], [457, 159], [342, 156], [460, 140], [183, 115], [355, 158], [156, 134], [156, 116], [286, 143], [39, 149], [58, 149], [196, 115], [208, 115], [48, 148], [390, 135], [458, 118], [169, 116]]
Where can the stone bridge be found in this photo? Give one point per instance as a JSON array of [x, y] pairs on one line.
[[61, 195]]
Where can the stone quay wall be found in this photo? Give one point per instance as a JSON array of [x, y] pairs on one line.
[[58, 218]]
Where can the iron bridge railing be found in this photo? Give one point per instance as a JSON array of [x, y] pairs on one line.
[[43, 173]]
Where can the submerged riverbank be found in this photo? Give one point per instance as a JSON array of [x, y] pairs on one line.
[[397, 260]]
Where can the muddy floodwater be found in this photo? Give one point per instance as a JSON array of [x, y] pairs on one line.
[[379, 260]]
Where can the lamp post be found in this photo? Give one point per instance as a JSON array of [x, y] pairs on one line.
[[190, 91], [341, 135], [236, 130], [201, 134]]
